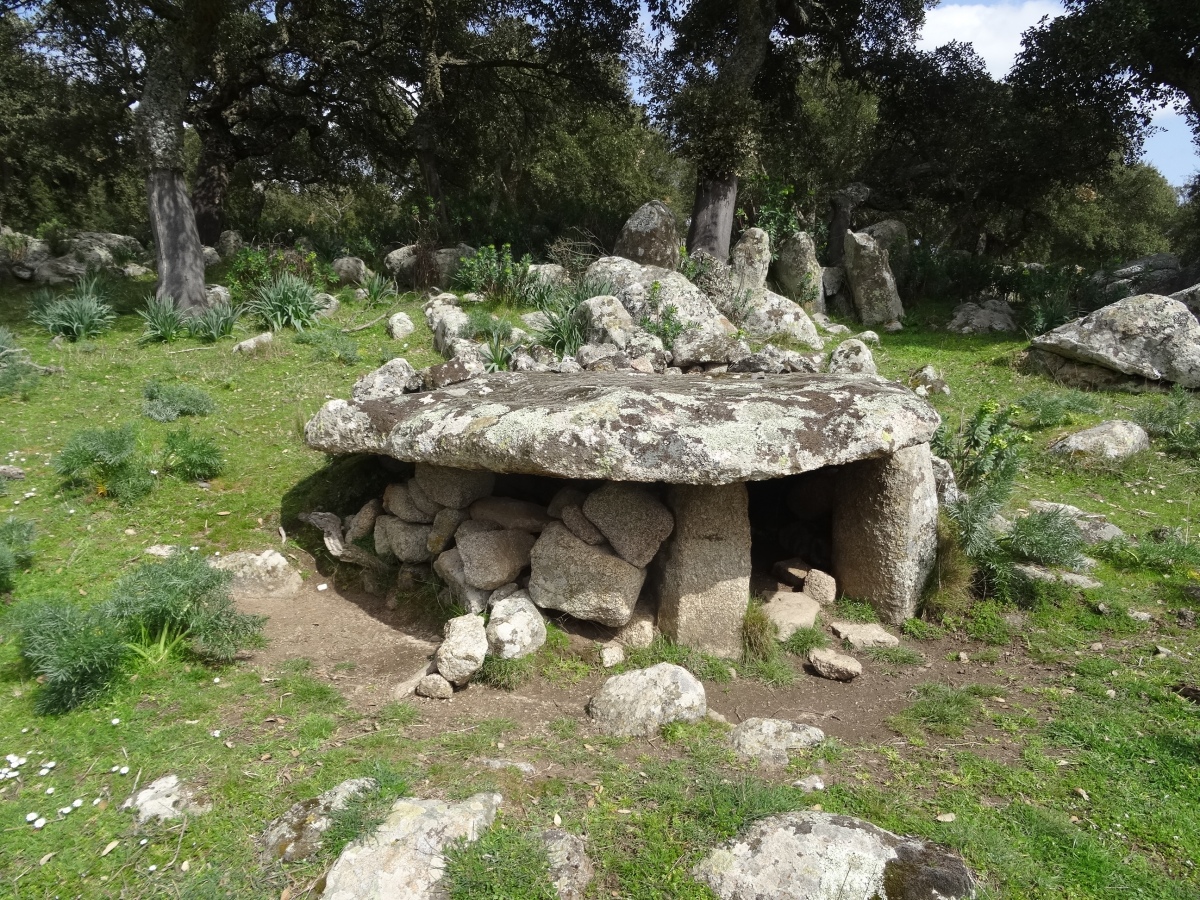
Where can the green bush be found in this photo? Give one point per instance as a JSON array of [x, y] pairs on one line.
[[1050, 538], [285, 301], [108, 461], [1173, 420], [254, 267], [330, 345], [191, 457], [16, 549], [164, 321], [497, 354], [662, 319], [1051, 409], [167, 402], [803, 640], [481, 324], [1169, 553], [985, 451], [496, 275], [84, 312], [215, 322], [18, 374]]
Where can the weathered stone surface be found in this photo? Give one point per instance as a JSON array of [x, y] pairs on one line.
[[462, 652], [634, 521], [571, 870], [449, 567], [400, 326], [164, 799], [852, 357], [812, 855], [1115, 439], [601, 358], [266, 574], [253, 345], [702, 575], [445, 524], [864, 634], [750, 260], [350, 270], [991, 314], [947, 484], [398, 502], [401, 540], [457, 488], [770, 315], [515, 628], [650, 237], [362, 523], [797, 271], [391, 381], [638, 703], [297, 834], [581, 526], [1094, 527], [703, 344], [771, 360], [404, 857], [509, 513], [892, 235], [821, 586], [833, 665], [680, 430], [641, 630], [457, 370], [493, 558], [1042, 573], [1147, 336], [871, 281], [648, 290], [584, 581], [885, 531], [607, 321], [550, 273], [928, 380], [567, 496], [769, 740], [435, 687], [790, 611]]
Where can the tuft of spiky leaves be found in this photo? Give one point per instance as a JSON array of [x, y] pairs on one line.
[[16, 549], [380, 289], [803, 640], [497, 354], [214, 322], [1051, 409], [760, 636], [330, 345], [107, 460], [1051, 538], [1169, 553], [84, 312], [1175, 421], [167, 402], [285, 301], [164, 321], [192, 457]]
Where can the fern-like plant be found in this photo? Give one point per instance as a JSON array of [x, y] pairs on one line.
[[285, 301], [16, 549], [108, 461], [164, 321], [167, 402], [192, 457]]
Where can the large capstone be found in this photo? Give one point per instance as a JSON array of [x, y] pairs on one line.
[[690, 430]]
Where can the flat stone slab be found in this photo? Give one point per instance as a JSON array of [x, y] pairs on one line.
[[683, 430]]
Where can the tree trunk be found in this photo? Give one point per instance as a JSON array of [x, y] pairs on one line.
[[843, 203], [712, 215], [211, 190]]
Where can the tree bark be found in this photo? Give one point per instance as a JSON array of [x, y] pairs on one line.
[[712, 215], [842, 208], [211, 190]]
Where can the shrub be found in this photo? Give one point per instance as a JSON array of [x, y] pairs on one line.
[[192, 457], [18, 373], [943, 709], [1173, 420], [1051, 538], [985, 451], [164, 320], [575, 254], [82, 313], [330, 345], [214, 322], [16, 549], [662, 319], [254, 267], [1050, 409], [284, 301], [497, 354], [109, 461], [804, 639], [480, 324], [380, 289], [167, 402], [1169, 554], [563, 331], [495, 274]]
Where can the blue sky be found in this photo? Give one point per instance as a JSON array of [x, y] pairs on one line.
[[995, 26]]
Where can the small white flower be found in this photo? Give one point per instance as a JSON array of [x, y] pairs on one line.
[[71, 511], [77, 803], [154, 471], [114, 768], [152, 869], [144, 841], [51, 764], [24, 731], [216, 681], [42, 773], [64, 811], [193, 549], [322, 587], [96, 802], [217, 733], [116, 721], [124, 770], [29, 817], [49, 791], [39, 824]]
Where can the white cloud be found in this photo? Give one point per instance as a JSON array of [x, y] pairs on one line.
[[994, 29]]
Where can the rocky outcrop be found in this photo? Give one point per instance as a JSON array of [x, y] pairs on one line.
[[852, 357], [350, 270], [649, 237], [1115, 439], [770, 740], [750, 260], [298, 833], [988, 315]]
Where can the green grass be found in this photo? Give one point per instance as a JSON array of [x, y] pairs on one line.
[[896, 656]]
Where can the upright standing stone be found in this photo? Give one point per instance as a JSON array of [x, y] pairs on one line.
[[703, 570], [798, 271], [885, 530], [650, 237], [750, 260], [871, 281]]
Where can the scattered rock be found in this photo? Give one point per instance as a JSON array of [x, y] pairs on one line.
[[456, 371], [607, 321], [929, 380], [947, 484], [640, 631], [297, 834], [400, 326], [161, 551], [860, 635], [1041, 573], [649, 237], [12, 473], [633, 520], [515, 627], [266, 574], [350, 270], [852, 357], [987, 316], [638, 703], [769, 740], [821, 586], [790, 611], [612, 655], [1115, 439], [1094, 527], [164, 799], [405, 856], [833, 665], [391, 381], [461, 653], [449, 567], [571, 870], [435, 687], [584, 581], [254, 344], [809, 784], [405, 541]]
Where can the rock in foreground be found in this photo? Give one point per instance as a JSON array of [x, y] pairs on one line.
[[638, 703]]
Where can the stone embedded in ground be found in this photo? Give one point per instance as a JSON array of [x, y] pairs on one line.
[[396, 500], [633, 520], [871, 281], [702, 575], [641, 629], [768, 315], [400, 326], [404, 541], [164, 799], [520, 515], [391, 381], [885, 531], [638, 703], [443, 529], [929, 378], [267, 573], [769, 740], [852, 357], [462, 651], [860, 635], [1147, 336], [1035, 572], [650, 237], [707, 343], [12, 473], [1115, 439], [435, 686], [515, 627], [679, 430], [601, 358], [833, 665], [449, 567], [810, 783], [298, 833], [253, 345], [456, 488], [571, 870], [812, 855], [989, 315], [581, 580], [612, 655], [1094, 527], [789, 611], [405, 855], [493, 558]]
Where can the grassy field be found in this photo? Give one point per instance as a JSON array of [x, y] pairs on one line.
[[1060, 789]]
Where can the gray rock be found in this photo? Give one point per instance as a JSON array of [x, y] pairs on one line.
[[833, 665], [1042, 573], [750, 260], [989, 315], [769, 315], [475, 526], [12, 473], [571, 870], [702, 577], [445, 524], [612, 654], [435, 687], [454, 487], [607, 321], [581, 526], [852, 357], [493, 558], [565, 497], [892, 235], [215, 294], [885, 531], [1146, 336], [769, 740], [229, 244], [421, 499], [508, 513], [638, 703], [328, 305], [650, 237], [211, 257], [362, 523], [266, 574], [461, 653], [253, 345], [401, 540], [446, 320], [391, 381], [164, 799], [1094, 527], [515, 628], [549, 273], [1115, 439], [449, 567], [601, 358], [633, 520], [810, 783], [586, 582], [812, 855], [703, 344], [648, 290], [457, 370], [947, 484], [405, 856], [298, 833], [504, 592], [398, 502], [400, 326], [798, 272], [641, 629], [821, 586], [790, 611], [350, 270], [930, 379], [860, 635], [871, 282]]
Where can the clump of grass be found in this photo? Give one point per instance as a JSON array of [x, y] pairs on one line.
[[214, 322], [803, 640], [703, 665], [1051, 538], [1171, 553], [1051, 409], [506, 674], [855, 610], [1173, 420], [167, 402], [896, 656], [18, 374], [986, 623], [497, 354], [164, 321], [920, 630], [502, 863], [330, 345], [943, 709], [760, 636], [82, 313], [16, 549], [191, 457], [108, 461], [555, 660], [285, 301]]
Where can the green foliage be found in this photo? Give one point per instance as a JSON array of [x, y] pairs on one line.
[[760, 637], [481, 324], [285, 301], [1169, 553], [769, 204], [164, 320], [192, 457], [380, 290], [331, 345], [167, 402], [985, 451], [506, 674], [1174, 421], [661, 319], [896, 656], [804, 639], [254, 268], [497, 354], [214, 322], [563, 331], [108, 461], [1051, 409], [920, 630], [18, 374], [943, 709], [496, 275], [82, 313], [853, 610], [1050, 538], [699, 663], [16, 549], [503, 863]]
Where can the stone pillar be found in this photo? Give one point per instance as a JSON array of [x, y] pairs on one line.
[[702, 573], [885, 531]]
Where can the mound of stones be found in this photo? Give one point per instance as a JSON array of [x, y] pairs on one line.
[[29, 258]]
